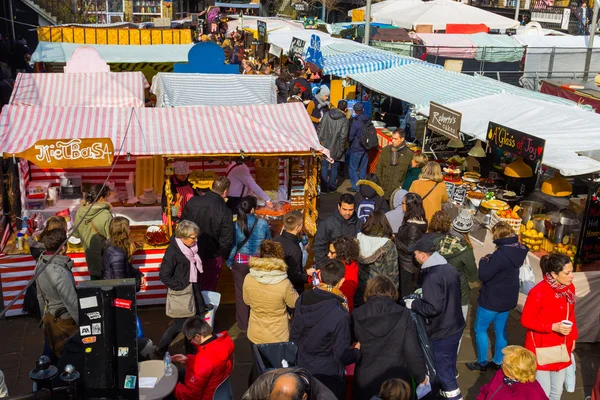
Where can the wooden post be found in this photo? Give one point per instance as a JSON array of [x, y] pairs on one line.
[[169, 195]]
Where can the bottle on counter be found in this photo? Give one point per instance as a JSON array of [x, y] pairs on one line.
[[19, 241], [168, 365]]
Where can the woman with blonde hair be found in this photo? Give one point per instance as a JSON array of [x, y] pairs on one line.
[[417, 163], [516, 379], [118, 253], [431, 189]]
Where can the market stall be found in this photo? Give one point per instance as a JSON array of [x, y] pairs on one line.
[[269, 133]]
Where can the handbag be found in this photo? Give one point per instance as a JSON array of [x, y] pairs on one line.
[[180, 303], [552, 354]]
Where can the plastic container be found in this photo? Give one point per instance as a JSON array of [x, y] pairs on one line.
[[37, 189], [35, 204]]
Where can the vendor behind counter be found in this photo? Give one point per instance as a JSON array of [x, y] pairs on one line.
[[241, 182]]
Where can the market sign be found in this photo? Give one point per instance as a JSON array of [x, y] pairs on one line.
[[444, 121], [529, 147], [296, 49], [261, 27], [301, 6], [589, 247], [69, 153]]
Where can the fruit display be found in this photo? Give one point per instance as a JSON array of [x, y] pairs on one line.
[[509, 214], [567, 249], [531, 238]]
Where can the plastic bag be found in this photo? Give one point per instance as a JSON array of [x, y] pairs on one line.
[[526, 278], [571, 376]]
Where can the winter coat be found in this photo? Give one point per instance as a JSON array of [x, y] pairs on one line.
[[356, 133], [411, 175], [460, 255], [283, 90], [396, 215], [370, 195], [260, 233], [440, 304], [388, 345], [206, 369], [350, 284], [378, 256], [293, 259], [305, 87], [115, 265], [330, 229], [315, 113], [333, 133], [542, 309], [391, 177], [268, 292], [407, 235], [499, 275], [321, 329], [99, 217], [174, 269], [496, 389], [214, 219], [56, 286], [434, 200]]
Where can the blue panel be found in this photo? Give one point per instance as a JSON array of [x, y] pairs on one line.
[[206, 58]]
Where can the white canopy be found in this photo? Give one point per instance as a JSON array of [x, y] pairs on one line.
[[410, 13], [568, 130]]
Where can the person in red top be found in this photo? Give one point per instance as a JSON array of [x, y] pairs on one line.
[[549, 317], [209, 367], [346, 250]]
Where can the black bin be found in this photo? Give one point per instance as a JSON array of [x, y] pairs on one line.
[[269, 356]]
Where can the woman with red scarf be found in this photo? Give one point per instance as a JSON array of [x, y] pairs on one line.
[[549, 317]]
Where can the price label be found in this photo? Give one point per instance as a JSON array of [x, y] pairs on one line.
[[450, 188], [459, 195]]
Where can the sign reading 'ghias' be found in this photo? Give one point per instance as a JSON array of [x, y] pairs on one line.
[[69, 153], [444, 121]]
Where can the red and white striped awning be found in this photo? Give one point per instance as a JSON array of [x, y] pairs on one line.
[[98, 89], [219, 130]]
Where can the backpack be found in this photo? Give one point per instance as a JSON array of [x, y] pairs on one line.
[[369, 138], [365, 208]]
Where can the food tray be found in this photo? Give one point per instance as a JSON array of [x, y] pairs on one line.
[[515, 224], [157, 236]]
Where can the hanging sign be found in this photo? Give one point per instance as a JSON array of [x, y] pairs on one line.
[[589, 247], [314, 54], [296, 49], [261, 27], [529, 147], [69, 153], [444, 120]]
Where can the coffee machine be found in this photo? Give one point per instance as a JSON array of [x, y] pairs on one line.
[[70, 186]]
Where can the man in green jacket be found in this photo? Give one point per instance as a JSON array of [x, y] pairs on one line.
[[393, 163]]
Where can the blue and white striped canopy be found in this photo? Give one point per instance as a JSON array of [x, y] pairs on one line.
[[360, 62]]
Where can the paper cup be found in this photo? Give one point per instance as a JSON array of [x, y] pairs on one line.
[[567, 323]]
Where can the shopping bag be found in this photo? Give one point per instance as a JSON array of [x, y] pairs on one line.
[[526, 278]]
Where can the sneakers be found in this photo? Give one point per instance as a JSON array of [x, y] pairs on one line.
[[475, 366]]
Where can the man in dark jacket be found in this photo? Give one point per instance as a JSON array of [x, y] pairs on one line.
[[304, 85], [393, 163], [358, 154], [321, 329], [369, 198], [441, 305], [333, 134], [292, 227], [341, 223], [214, 219]]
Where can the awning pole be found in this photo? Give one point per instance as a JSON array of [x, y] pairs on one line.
[[588, 57], [367, 23]]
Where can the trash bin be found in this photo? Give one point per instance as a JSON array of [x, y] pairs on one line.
[[269, 356]]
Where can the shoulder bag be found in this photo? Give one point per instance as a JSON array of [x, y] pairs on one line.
[[181, 303], [241, 244], [552, 354], [430, 190], [56, 328]]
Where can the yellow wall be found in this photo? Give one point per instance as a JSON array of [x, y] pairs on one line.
[[114, 36]]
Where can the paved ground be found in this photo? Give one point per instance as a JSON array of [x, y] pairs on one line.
[[21, 343]]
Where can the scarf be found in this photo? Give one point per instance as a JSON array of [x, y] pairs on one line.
[[268, 277], [560, 289], [322, 103], [508, 381], [191, 253], [335, 291]]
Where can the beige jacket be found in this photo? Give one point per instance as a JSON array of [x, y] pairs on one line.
[[268, 291]]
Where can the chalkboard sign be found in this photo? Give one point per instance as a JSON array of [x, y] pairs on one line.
[[529, 147], [436, 143], [450, 188], [589, 248], [459, 195], [261, 27]]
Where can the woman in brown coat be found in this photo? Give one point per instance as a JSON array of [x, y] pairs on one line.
[[268, 292]]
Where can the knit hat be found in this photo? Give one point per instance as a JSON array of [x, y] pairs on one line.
[[181, 168], [463, 223], [324, 91]]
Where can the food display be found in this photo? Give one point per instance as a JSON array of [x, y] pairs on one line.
[[508, 215], [452, 174], [279, 209], [531, 238], [567, 249], [471, 177], [157, 236]]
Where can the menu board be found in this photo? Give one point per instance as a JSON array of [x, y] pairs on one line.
[[459, 195], [531, 148], [589, 249], [450, 188], [261, 27]]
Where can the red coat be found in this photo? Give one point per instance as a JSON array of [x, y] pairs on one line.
[[542, 309], [350, 284], [497, 390], [207, 369]]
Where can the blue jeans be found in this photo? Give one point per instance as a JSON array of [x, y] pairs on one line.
[[358, 167], [445, 352], [326, 179], [483, 320]]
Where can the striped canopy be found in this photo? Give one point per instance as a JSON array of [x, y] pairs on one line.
[[98, 89], [343, 65], [257, 129]]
